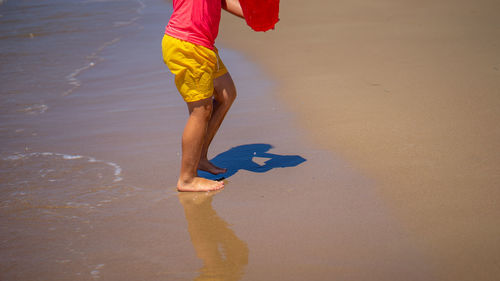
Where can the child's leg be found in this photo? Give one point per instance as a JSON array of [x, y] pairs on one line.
[[224, 96], [193, 139]]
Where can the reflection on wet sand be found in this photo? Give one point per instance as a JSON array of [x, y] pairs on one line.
[[224, 255]]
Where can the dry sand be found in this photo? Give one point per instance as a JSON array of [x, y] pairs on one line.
[[409, 92]]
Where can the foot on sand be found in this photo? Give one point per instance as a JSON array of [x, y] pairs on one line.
[[207, 166], [199, 185]]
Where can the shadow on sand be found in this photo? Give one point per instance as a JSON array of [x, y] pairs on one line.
[[244, 157]]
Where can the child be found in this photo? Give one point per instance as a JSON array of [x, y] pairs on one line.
[[202, 80]]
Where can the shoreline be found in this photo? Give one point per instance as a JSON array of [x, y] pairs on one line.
[[408, 94], [91, 193]]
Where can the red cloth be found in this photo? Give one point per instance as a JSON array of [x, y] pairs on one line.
[[261, 15]]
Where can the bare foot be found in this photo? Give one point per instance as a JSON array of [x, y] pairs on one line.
[[199, 185], [207, 166]]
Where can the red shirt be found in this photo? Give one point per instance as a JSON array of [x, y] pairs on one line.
[[195, 21]]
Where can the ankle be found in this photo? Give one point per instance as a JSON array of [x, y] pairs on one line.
[[185, 180]]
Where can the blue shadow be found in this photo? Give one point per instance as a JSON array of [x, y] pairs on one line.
[[241, 158]]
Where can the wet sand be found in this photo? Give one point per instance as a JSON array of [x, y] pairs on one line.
[[88, 185], [408, 93], [375, 185], [289, 210]]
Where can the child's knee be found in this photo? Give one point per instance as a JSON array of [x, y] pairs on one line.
[[232, 94], [229, 97], [226, 96], [225, 90]]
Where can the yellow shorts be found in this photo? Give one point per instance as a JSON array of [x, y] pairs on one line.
[[195, 67]]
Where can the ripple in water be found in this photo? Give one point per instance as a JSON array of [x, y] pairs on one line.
[[34, 109], [50, 181]]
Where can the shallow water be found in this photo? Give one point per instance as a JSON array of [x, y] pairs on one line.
[[53, 181], [45, 48]]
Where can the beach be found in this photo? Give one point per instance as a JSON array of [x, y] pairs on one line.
[[362, 145], [409, 93]]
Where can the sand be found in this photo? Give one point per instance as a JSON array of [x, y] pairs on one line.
[[409, 93], [361, 147]]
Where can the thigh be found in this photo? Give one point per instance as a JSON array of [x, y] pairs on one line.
[[224, 87]]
